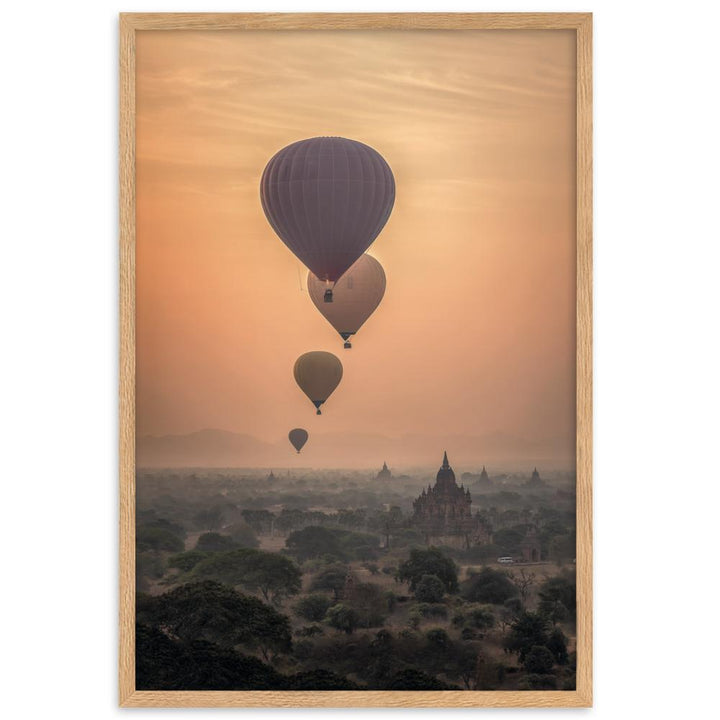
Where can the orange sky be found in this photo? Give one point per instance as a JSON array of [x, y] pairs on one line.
[[476, 333]]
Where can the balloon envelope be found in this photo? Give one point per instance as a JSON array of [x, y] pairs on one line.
[[327, 198], [298, 437], [355, 296], [318, 373]]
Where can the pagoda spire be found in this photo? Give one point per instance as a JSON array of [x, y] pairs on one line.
[[445, 464]]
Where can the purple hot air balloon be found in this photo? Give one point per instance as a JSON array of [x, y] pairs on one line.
[[327, 198]]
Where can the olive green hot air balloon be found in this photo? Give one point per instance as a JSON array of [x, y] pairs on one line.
[[356, 295], [318, 373], [298, 437]]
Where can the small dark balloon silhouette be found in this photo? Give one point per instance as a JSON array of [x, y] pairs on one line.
[[298, 437]]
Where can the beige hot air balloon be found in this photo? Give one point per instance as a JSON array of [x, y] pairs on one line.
[[355, 296], [318, 373]]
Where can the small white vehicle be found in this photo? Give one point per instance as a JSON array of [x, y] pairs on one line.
[[505, 560]]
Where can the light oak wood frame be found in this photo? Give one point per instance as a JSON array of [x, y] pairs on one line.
[[131, 23]]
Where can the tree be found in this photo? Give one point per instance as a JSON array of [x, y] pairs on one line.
[[343, 618], [429, 562], [332, 579], [430, 589], [148, 518], [489, 586], [509, 541], [481, 618], [524, 582], [273, 575], [488, 675], [389, 521], [148, 566], [186, 561], [530, 629], [261, 521], [210, 519], [539, 660], [313, 607], [563, 547], [218, 614], [369, 603], [243, 535], [151, 537], [558, 597], [557, 645], [312, 542], [163, 663], [214, 542]]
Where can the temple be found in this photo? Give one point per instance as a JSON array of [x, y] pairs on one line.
[[384, 474], [535, 480], [444, 512]]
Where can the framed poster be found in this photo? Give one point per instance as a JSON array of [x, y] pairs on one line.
[[355, 360]]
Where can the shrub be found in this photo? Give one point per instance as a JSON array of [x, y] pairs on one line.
[[432, 610], [481, 618], [320, 680], [343, 618], [390, 600], [437, 637], [310, 631], [538, 682], [414, 679]]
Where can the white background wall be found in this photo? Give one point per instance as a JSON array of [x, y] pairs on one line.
[[656, 359]]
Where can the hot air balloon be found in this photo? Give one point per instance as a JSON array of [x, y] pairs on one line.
[[298, 437], [327, 198], [318, 373], [355, 296]]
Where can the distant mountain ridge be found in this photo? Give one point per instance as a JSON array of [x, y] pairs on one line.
[[223, 448]]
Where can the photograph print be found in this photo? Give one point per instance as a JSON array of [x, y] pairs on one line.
[[355, 313]]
